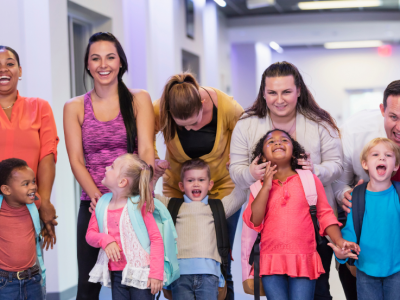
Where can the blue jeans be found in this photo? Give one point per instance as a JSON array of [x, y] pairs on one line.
[[199, 287], [27, 289], [378, 288], [122, 292], [232, 222], [283, 287]]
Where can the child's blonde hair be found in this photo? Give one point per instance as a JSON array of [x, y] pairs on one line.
[[389, 143], [140, 174]]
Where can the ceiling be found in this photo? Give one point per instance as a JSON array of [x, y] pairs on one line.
[[238, 8]]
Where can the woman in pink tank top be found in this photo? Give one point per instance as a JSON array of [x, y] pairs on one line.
[[99, 126]]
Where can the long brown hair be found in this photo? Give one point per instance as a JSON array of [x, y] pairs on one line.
[[306, 104], [124, 95], [140, 175], [180, 99]]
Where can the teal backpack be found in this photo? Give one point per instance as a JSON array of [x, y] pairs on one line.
[[164, 223], [36, 222]]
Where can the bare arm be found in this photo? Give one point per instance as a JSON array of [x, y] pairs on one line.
[[145, 125], [45, 178], [73, 118]]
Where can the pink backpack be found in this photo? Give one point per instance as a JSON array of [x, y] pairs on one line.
[[251, 238]]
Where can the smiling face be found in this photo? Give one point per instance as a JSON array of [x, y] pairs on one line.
[[10, 71], [278, 148], [196, 184], [104, 62], [380, 162], [191, 123], [281, 95], [392, 118], [112, 177], [21, 187]]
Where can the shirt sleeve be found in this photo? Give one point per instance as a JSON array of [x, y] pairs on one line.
[[239, 168], [247, 216], [48, 132], [346, 179], [234, 201], [331, 166], [156, 246], [235, 114], [325, 214], [156, 107], [94, 238]]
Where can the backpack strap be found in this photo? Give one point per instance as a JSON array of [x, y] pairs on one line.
[[101, 207], [221, 230], [358, 209], [136, 218], [396, 185], [173, 206], [310, 191]]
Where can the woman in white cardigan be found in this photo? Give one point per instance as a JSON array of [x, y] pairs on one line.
[[284, 102]]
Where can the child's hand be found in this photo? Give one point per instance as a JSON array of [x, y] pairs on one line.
[[155, 285], [346, 250], [269, 175], [113, 251], [48, 240]]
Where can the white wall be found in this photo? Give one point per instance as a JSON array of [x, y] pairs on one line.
[[328, 73]]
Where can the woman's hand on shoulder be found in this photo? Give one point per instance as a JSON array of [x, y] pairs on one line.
[[306, 163], [257, 170], [159, 169]]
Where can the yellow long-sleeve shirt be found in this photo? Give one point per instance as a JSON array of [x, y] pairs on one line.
[[229, 111]]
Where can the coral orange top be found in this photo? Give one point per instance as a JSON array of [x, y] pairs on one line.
[[288, 243], [31, 132]]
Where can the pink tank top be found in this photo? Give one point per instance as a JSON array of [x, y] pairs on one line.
[[102, 143]]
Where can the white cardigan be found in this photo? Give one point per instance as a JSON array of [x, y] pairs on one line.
[[356, 132], [325, 149]]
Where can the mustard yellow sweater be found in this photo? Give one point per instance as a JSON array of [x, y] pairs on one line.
[[229, 112]]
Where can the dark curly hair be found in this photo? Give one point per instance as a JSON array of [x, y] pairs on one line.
[[6, 168], [298, 150]]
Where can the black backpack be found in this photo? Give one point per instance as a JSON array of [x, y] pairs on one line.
[[221, 227], [358, 205]]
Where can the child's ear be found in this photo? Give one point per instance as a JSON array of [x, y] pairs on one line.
[[211, 184], [5, 189], [364, 165], [396, 168], [263, 159], [123, 183], [181, 186]]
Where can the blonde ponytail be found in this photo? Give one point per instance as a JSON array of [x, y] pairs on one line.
[[145, 193], [139, 175]]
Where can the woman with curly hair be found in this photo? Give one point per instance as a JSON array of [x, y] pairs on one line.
[[284, 102], [289, 261]]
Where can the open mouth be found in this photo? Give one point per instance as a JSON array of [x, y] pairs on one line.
[[196, 193], [5, 79], [381, 169], [32, 196], [104, 74], [279, 150]]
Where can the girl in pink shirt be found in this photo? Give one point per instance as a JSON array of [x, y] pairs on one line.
[[123, 263], [289, 261]]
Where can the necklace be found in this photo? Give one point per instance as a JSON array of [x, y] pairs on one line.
[[8, 106], [291, 128]]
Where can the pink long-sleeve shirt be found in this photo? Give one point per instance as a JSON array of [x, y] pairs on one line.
[[96, 239], [288, 243]]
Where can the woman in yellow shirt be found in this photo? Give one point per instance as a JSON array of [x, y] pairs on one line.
[[197, 122]]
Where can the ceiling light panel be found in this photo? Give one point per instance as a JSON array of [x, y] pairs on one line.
[[313, 5]]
